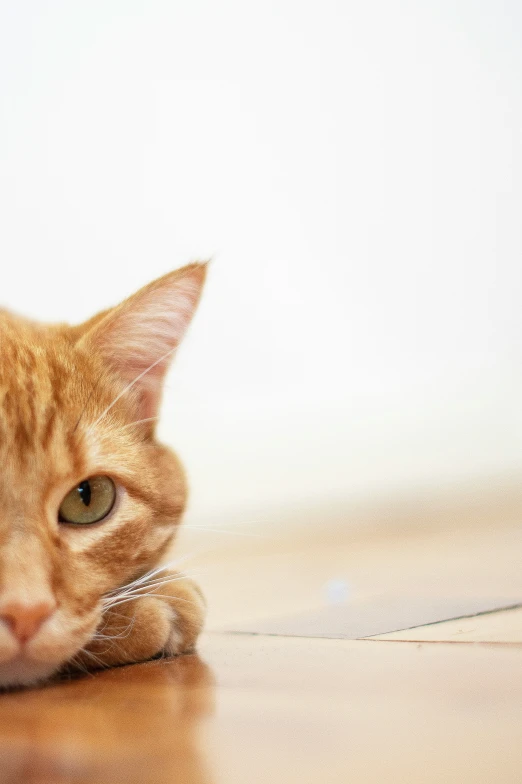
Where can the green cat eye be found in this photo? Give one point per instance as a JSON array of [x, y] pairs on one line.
[[88, 502]]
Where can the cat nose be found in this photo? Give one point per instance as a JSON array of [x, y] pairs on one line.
[[24, 620]]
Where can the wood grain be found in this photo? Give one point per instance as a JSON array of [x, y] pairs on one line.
[[276, 710], [254, 708]]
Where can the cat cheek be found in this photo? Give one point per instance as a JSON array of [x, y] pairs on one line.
[[9, 647], [63, 637]]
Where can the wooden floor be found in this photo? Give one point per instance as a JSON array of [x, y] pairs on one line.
[[437, 703]]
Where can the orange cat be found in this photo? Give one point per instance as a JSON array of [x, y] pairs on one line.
[[89, 500]]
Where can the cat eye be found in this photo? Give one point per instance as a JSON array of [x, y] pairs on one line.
[[88, 502]]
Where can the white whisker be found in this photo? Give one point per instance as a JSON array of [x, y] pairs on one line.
[[150, 574], [239, 523], [130, 385], [154, 595], [123, 635], [221, 531], [137, 581], [138, 422], [146, 585], [75, 663], [92, 656], [135, 589], [142, 591]]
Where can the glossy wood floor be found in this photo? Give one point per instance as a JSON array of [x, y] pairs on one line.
[[410, 706]]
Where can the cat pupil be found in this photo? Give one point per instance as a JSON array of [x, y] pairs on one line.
[[84, 489]]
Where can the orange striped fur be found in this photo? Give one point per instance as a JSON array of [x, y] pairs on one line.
[[68, 406]]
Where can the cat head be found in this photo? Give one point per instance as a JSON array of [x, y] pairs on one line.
[[89, 500]]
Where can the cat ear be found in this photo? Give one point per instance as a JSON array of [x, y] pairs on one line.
[[138, 338]]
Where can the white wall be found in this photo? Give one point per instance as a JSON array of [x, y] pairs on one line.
[[356, 170]]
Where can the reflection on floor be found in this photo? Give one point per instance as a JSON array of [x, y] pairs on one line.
[[262, 708]]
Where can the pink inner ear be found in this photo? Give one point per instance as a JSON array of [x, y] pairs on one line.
[[148, 386], [139, 337], [149, 399]]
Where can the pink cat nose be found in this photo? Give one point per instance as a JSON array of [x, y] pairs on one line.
[[24, 620]]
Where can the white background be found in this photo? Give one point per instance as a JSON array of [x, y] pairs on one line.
[[355, 170]]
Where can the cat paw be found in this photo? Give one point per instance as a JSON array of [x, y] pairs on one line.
[[185, 613], [166, 621]]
